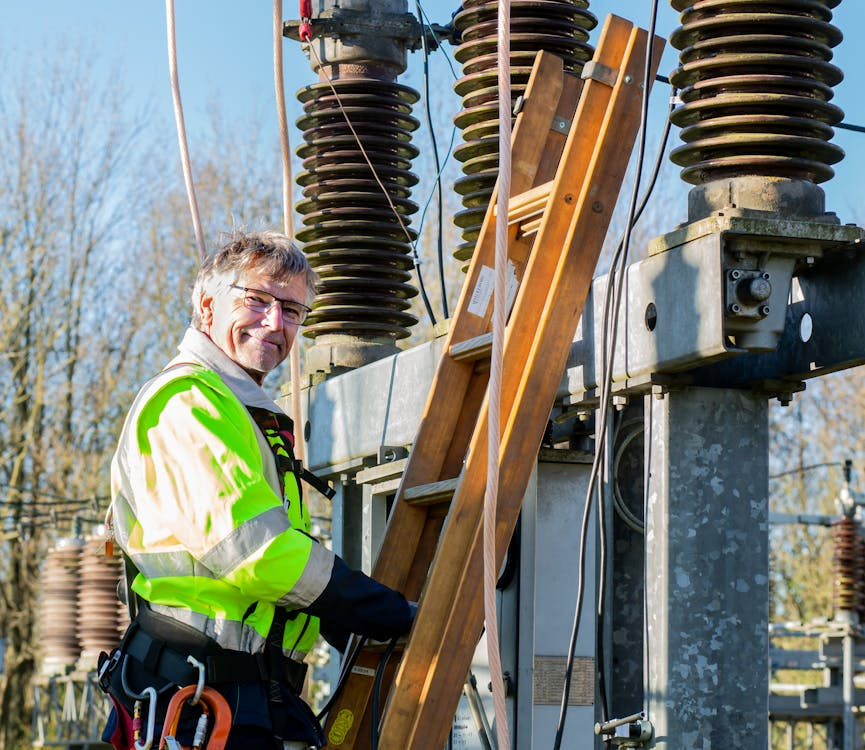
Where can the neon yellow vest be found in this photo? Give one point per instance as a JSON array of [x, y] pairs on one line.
[[197, 507]]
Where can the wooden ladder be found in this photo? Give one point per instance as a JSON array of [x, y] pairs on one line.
[[570, 148]]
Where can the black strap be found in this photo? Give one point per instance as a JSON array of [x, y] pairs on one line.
[[317, 483], [159, 658], [281, 424]]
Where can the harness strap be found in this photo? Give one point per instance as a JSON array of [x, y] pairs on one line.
[[279, 427], [317, 483], [158, 657]]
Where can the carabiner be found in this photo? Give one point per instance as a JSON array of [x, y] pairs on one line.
[[200, 667], [150, 694], [212, 703]]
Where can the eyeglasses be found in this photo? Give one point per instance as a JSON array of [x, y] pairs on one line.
[[293, 313]]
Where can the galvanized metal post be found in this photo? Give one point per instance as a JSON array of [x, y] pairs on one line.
[[707, 563]]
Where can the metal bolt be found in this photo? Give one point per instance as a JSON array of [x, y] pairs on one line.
[[628, 78], [764, 310], [759, 289], [735, 274], [734, 308], [597, 207]]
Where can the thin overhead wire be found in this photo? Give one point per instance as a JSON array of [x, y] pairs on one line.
[[437, 189], [181, 131], [447, 56], [495, 382], [54, 496], [804, 469], [357, 139], [287, 220]]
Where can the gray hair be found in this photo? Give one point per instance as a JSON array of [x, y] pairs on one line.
[[268, 252]]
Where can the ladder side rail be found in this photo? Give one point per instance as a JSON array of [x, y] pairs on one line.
[[445, 409], [447, 662], [412, 533]]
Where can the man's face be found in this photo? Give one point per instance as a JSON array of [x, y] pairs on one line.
[[257, 341]]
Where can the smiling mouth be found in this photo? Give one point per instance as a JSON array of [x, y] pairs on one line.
[[263, 342]]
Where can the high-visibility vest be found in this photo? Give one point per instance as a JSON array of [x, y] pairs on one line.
[[219, 539]]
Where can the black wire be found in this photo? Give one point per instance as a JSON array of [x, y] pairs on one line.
[[441, 46], [417, 267], [611, 324], [41, 493], [438, 184], [849, 126], [350, 660], [379, 677], [803, 469]]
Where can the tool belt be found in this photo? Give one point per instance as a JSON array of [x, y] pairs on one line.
[[162, 646]]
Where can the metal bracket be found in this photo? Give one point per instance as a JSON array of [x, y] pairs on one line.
[[599, 72], [631, 731], [561, 125]]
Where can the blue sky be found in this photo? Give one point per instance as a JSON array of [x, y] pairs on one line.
[[225, 51]]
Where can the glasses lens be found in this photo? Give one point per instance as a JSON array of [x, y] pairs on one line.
[[293, 313]]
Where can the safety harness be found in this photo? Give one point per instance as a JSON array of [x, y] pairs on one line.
[[181, 656]]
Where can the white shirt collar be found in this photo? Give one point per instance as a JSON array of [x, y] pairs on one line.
[[198, 347]]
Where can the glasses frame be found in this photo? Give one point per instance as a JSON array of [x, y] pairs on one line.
[[305, 309]]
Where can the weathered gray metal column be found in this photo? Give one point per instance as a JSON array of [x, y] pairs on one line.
[[706, 569]]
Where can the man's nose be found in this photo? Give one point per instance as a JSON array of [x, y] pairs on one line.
[[273, 316]]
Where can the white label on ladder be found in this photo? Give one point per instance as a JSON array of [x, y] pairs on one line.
[[483, 291]]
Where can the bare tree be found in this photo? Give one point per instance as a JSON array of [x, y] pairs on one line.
[[96, 262], [64, 145]]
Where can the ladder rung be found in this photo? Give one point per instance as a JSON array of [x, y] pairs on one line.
[[530, 203], [432, 493], [530, 227], [473, 349]]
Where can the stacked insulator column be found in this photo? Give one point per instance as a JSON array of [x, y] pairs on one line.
[[848, 565], [558, 26], [357, 237], [357, 153], [98, 621], [756, 81], [860, 544], [58, 617]]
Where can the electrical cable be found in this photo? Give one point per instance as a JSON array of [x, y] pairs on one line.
[[64, 498], [634, 430], [437, 190], [376, 689], [287, 217], [494, 392], [421, 223], [344, 671], [181, 131], [803, 469], [611, 324], [447, 57]]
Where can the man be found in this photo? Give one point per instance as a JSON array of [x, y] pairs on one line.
[[208, 509]]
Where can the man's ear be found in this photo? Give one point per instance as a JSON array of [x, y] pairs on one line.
[[205, 309]]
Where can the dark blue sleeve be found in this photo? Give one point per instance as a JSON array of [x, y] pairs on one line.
[[354, 602]]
